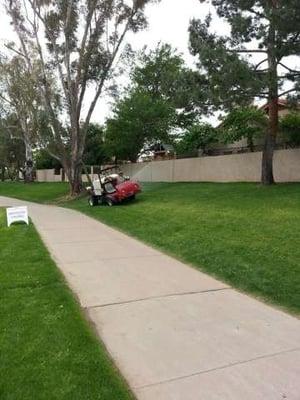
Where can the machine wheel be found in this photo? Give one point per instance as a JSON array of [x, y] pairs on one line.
[[93, 201], [109, 201], [131, 197]]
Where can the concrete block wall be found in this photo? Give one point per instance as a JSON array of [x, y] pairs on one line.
[[47, 175], [230, 168]]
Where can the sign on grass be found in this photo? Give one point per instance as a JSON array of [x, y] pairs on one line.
[[16, 214]]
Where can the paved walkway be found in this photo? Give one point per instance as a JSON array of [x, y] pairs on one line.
[[174, 332]]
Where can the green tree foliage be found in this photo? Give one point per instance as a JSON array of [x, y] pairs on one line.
[[266, 28], [138, 120], [20, 97], [162, 74], [95, 150], [43, 160], [290, 127], [244, 122], [158, 101], [12, 151], [197, 137]]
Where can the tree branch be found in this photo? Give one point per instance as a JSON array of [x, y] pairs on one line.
[[287, 92], [288, 69], [288, 76], [83, 46], [19, 53], [104, 76], [247, 51], [260, 63], [7, 101], [37, 12]]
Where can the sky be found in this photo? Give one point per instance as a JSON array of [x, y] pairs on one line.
[[169, 22]]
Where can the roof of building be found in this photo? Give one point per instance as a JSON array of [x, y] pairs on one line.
[[282, 103]]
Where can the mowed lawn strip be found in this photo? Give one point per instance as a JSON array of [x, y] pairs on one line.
[[48, 351], [38, 192], [242, 233]]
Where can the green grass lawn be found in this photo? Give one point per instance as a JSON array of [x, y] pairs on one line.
[[244, 234], [47, 349], [37, 191]]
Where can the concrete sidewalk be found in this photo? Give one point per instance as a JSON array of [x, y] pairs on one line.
[[174, 332]]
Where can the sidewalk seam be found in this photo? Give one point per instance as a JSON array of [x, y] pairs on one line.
[[158, 297], [216, 369]]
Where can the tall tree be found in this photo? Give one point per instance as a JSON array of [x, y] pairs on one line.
[[162, 74], [158, 100], [12, 149], [21, 100], [269, 28], [138, 120], [83, 40]]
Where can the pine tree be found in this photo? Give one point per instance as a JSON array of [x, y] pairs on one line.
[[268, 28]]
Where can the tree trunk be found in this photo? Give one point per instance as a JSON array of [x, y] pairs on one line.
[[74, 175], [250, 143], [76, 183], [2, 174], [267, 177], [28, 170], [269, 145]]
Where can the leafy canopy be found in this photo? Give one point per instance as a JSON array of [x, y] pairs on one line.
[[157, 102], [290, 127], [12, 149], [95, 150], [197, 137], [244, 122], [138, 120], [162, 74]]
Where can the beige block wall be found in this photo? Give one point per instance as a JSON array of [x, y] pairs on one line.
[[46, 175], [287, 165], [163, 171], [140, 171], [231, 168]]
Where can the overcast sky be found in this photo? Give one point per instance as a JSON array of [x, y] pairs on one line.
[[169, 22]]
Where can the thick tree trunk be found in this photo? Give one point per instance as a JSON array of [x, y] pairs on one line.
[[267, 176], [2, 174], [76, 185], [74, 174], [28, 170]]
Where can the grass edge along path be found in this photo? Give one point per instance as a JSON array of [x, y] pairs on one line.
[[48, 348]]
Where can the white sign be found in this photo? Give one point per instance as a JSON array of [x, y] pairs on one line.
[[15, 214]]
